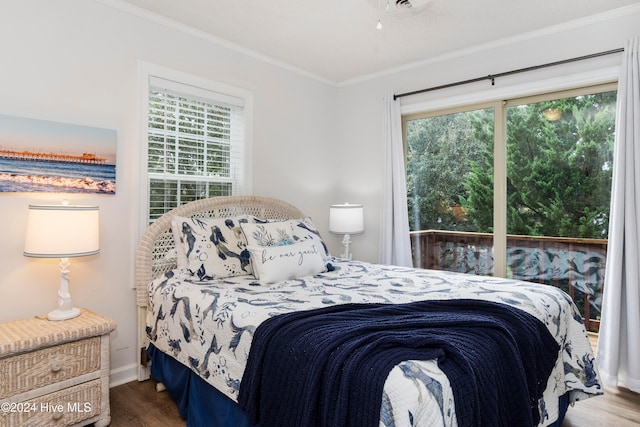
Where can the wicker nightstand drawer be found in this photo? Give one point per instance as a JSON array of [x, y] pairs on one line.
[[55, 373], [47, 366], [63, 408]]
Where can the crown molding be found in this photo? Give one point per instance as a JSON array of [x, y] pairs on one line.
[[531, 35], [202, 35], [555, 29]]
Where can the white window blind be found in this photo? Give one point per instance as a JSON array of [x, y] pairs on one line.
[[195, 145]]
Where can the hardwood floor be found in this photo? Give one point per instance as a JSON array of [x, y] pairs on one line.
[[616, 408], [137, 404]]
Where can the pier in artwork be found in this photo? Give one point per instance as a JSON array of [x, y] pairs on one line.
[[84, 158]]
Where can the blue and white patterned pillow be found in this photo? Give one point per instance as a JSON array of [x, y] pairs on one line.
[[211, 248]]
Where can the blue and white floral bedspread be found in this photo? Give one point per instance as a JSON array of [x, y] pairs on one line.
[[208, 326]]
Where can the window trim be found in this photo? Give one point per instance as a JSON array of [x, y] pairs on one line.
[[146, 72]]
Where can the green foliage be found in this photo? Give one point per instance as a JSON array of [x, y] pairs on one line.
[[439, 152], [558, 172]]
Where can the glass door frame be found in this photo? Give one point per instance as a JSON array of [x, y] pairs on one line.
[[500, 267]]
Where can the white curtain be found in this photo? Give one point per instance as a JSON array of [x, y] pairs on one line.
[[395, 244], [619, 341]]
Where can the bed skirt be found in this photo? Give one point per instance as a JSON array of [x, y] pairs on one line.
[[200, 404]]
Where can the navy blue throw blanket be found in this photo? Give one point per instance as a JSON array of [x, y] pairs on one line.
[[327, 367]]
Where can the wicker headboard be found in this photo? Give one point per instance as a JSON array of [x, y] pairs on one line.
[[154, 256]]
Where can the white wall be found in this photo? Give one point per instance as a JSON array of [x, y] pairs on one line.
[[75, 61], [360, 103]]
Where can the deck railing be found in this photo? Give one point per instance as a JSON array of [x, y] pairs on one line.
[[573, 265]]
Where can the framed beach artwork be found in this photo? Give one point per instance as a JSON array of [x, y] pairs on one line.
[[44, 156]]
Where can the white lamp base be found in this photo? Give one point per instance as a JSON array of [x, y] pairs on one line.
[[59, 314], [346, 242], [65, 309]]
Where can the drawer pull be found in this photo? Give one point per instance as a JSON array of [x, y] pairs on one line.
[[57, 416], [56, 366]]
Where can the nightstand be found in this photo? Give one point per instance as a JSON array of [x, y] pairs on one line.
[[55, 373]]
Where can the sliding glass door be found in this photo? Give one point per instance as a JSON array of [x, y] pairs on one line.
[[517, 189]]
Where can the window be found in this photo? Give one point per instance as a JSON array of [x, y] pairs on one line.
[[197, 141], [559, 165], [443, 150], [518, 190], [559, 174]]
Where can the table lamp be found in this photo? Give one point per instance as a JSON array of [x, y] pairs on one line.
[[62, 231], [346, 219]]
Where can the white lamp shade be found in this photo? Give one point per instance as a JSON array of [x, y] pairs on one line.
[[346, 219], [62, 231]]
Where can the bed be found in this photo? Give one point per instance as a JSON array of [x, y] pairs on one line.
[[218, 334]]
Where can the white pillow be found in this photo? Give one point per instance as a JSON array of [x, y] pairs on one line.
[[211, 248], [264, 234], [305, 229], [273, 264], [278, 233]]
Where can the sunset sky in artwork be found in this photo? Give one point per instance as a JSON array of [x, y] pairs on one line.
[[23, 134]]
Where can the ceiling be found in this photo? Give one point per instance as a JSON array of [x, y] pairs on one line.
[[337, 40]]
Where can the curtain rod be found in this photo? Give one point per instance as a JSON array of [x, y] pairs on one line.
[[493, 77]]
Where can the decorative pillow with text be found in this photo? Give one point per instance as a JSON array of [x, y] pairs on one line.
[[305, 229], [280, 233], [265, 234], [273, 264]]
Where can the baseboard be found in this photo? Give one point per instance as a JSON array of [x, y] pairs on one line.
[[123, 375]]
